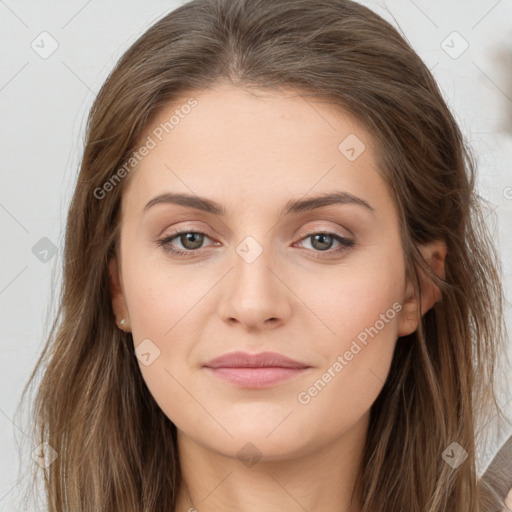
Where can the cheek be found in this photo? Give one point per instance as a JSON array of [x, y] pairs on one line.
[[359, 359], [353, 299], [162, 311], [360, 309], [158, 299]]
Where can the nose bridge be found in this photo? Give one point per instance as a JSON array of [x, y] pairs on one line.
[[252, 261], [255, 294], [255, 251]]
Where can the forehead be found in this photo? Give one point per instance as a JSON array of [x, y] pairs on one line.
[[234, 144]]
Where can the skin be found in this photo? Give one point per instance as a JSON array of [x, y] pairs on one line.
[[508, 502], [252, 155]]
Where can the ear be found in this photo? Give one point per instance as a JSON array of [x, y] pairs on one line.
[[116, 292], [434, 254]]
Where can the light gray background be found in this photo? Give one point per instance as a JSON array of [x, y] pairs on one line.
[[43, 108]]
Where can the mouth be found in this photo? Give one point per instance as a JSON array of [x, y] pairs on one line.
[[255, 370]]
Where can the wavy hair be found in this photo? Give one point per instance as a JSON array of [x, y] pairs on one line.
[[116, 449]]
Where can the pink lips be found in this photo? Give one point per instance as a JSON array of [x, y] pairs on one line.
[[255, 370]]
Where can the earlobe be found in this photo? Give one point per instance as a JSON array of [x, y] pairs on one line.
[[434, 254]]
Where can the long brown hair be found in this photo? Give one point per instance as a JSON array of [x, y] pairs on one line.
[[116, 448]]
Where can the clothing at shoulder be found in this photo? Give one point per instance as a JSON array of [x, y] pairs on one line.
[[497, 480]]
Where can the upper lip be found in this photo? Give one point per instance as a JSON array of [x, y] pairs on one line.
[[246, 360]]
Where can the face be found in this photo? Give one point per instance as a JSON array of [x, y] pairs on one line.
[[266, 270]]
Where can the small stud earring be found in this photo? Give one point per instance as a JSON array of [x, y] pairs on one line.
[[122, 323]]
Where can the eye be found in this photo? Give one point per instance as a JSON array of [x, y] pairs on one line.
[[190, 240], [323, 241]]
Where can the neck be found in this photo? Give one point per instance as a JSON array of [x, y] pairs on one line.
[[323, 478]]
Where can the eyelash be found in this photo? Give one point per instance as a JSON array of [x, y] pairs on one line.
[[346, 243]]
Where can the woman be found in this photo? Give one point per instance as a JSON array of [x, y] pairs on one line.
[[279, 292]]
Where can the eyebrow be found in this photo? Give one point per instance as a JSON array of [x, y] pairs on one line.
[[293, 206]]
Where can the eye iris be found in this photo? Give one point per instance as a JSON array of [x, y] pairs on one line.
[[195, 238], [323, 245]]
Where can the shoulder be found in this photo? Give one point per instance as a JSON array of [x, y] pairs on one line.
[[496, 482]]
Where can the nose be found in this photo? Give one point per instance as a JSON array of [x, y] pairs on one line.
[[255, 292]]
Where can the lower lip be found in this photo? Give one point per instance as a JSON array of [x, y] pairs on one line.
[[256, 377]]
